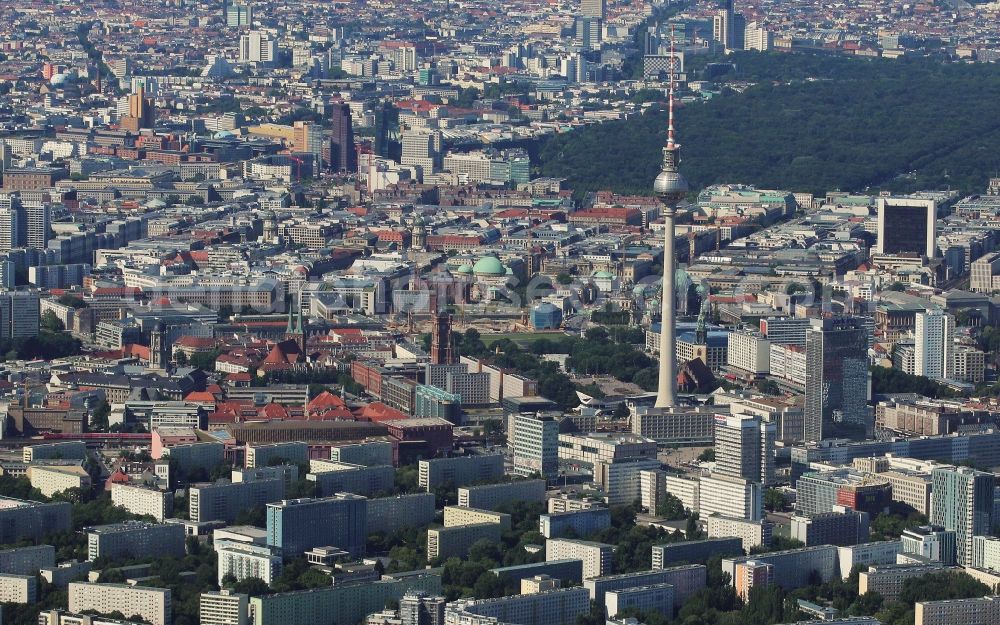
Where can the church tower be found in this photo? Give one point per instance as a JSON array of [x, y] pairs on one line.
[[418, 234]]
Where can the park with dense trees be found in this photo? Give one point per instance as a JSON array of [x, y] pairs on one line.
[[807, 123]]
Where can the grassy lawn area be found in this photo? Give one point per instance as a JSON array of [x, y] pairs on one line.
[[521, 338]]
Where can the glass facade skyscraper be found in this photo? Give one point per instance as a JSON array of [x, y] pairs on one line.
[[907, 226], [342, 154], [962, 503], [836, 374]]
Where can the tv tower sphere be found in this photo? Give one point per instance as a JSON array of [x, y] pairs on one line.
[[670, 185]]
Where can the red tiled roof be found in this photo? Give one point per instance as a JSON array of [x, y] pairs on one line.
[[276, 356], [200, 396], [139, 351], [377, 411], [326, 399], [195, 342]]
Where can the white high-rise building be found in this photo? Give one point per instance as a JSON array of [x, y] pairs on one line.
[[652, 488], [258, 47], [243, 560], [143, 501], [8, 228], [35, 224], [421, 149], [934, 345], [730, 496], [593, 8], [983, 273], [750, 352], [152, 604], [598, 558], [744, 448], [223, 608], [404, 58], [588, 32], [5, 153], [758, 38]]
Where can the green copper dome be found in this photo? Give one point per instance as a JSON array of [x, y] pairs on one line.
[[489, 266]]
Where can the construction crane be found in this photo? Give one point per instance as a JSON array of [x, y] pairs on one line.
[[298, 166]]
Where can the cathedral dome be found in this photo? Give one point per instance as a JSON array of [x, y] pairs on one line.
[[489, 266]]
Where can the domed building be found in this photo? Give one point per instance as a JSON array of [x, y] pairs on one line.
[[489, 266], [489, 277]]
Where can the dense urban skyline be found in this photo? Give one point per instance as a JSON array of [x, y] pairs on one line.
[[418, 313]]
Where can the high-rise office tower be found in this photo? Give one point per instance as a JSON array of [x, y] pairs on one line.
[[150, 85], [836, 374], [37, 218], [934, 345], [671, 187], [722, 25], [298, 525], [308, 137], [141, 107], [962, 503], [257, 47], [8, 271], [535, 445], [141, 112], [419, 608], [650, 43], [589, 25], [342, 154], [5, 156], [739, 32], [729, 27], [120, 67], [9, 230], [744, 447], [907, 226], [757, 37], [386, 128], [442, 350], [238, 15], [593, 8], [588, 32], [19, 314], [422, 149]]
